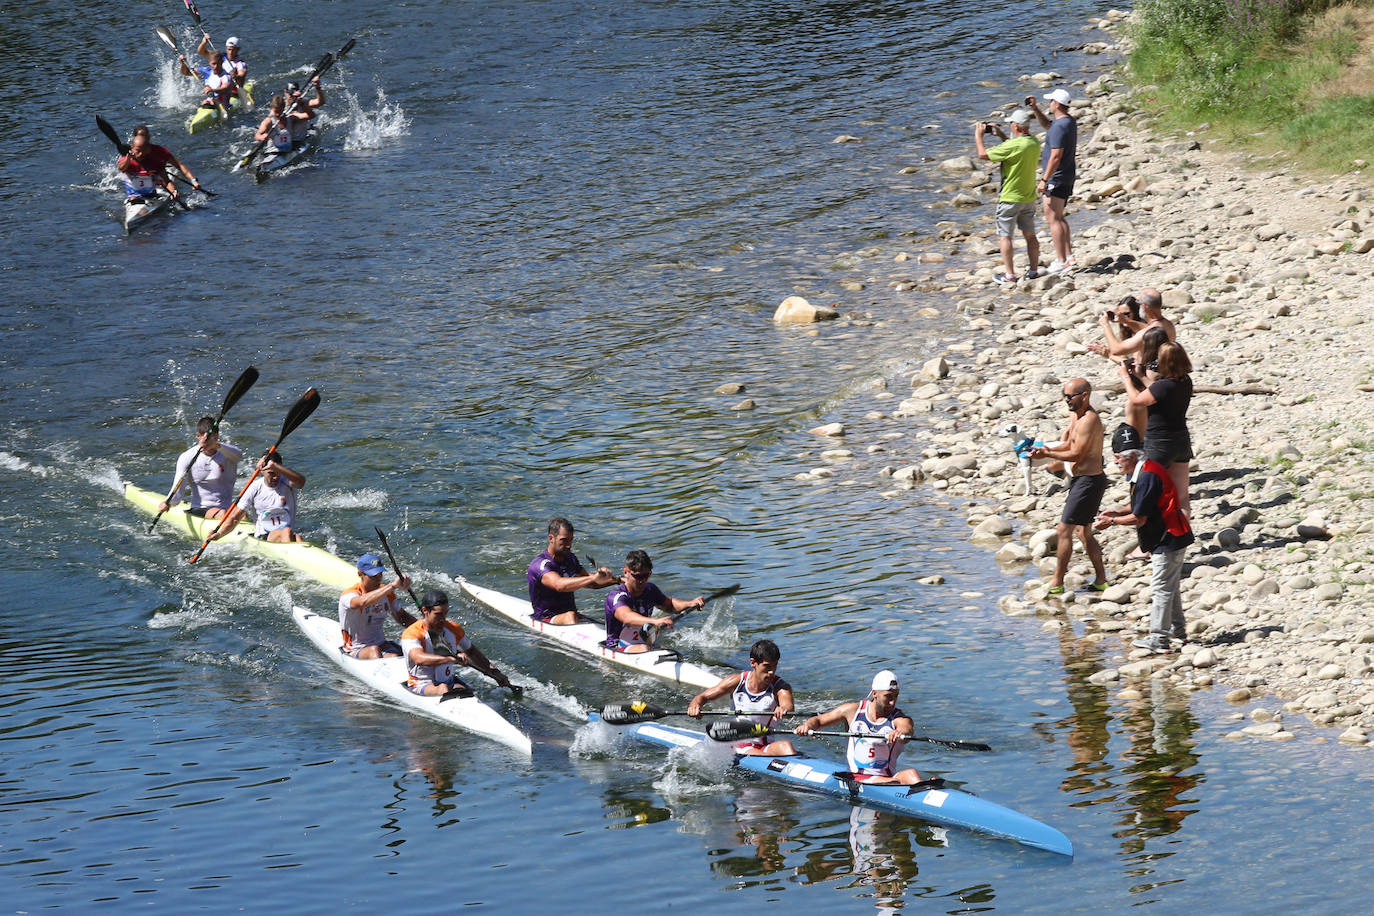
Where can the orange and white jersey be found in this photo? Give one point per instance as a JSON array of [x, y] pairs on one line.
[[362, 625], [418, 636]]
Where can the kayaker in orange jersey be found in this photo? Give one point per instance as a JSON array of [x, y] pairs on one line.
[[209, 468], [308, 107], [272, 500], [144, 167], [757, 694], [872, 760], [433, 645], [219, 86], [363, 610], [278, 126]]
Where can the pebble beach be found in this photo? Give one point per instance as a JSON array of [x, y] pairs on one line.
[[1264, 270]]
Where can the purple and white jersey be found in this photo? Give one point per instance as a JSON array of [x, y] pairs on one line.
[[619, 635], [545, 601], [757, 707], [873, 756]]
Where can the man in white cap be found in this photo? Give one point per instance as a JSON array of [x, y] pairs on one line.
[[873, 757], [1058, 170], [364, 607], [231, 65], [1016, 202]]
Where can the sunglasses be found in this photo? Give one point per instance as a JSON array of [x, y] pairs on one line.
[[639, 576]]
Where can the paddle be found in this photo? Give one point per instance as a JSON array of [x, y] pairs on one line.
[[651, 631], [166, 35], [236, 391], [394, 565], [202, 189], [637, 711], [325, 63], [297, 415], [123, 148], [741, 730]]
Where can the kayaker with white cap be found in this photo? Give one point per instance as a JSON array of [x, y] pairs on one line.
[[219, 86], [231, 65], [364, 607], [872, 760]]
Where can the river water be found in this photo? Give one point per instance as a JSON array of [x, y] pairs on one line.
[[539, 236]]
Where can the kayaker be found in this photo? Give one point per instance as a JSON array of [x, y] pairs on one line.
[[272, 500], [628, 604], [556, 574], [231, 65], [209, 467], [363, 609], [758, 694], [219, 86], [300, 126], [278, 125], [144, 167], [433, 645], [872, 760]]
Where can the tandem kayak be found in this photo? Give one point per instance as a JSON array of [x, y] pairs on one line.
[[590, 639], [276, 160], [138, 211], [316, 562], [387, 676], [208, 117], [935, 804]]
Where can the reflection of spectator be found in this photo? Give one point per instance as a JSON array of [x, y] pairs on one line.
[[1016, 202], [1166, 399], [1082, 451], [1058, 171], [1161, 529]]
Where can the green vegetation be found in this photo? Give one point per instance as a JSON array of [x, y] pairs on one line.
[[1272, 74]]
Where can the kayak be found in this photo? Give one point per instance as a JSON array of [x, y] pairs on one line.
[[387, 676], [276, 160], [937, 804], [209, 117], [140, 210], [590, 639], [315, 562]]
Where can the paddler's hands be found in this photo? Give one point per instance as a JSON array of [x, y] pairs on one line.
[[696, 602], [694, 707], [603, 577], [806, 727], [663, 623], [162, 506], [399, 583]]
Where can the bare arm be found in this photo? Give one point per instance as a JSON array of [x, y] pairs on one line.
[[599, 579], [1136, 391], [723, 686], [843, 713]]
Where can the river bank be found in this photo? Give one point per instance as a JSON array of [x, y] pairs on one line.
[[1265, 273]]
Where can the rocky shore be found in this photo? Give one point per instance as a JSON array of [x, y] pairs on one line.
[[1267, 274]]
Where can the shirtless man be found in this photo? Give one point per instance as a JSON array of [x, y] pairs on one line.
[[1081, 450], [757, 694], [272, 500], [629, 603], [872, 760], [433, 645], [210, 467], [364, 607], [1152, 309], [556, 574]]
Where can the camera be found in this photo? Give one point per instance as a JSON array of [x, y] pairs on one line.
[[1129, 363], [1111, 314]]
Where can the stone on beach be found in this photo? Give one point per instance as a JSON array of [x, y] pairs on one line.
[[796, 310]]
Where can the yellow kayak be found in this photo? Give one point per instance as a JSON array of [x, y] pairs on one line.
[[208, 117], [316, 562]]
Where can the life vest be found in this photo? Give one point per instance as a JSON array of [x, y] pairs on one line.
[[1174, 521]]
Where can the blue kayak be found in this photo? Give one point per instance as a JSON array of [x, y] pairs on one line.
[[936, 804]]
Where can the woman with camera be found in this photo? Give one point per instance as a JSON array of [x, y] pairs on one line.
[[1127, 316], [1164, 388]]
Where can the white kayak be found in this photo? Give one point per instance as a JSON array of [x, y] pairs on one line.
[[590, 639], [387, 676], [138, 211], [276, 160], [302, 556]]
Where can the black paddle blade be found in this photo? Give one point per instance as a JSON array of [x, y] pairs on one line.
[[723, 593], [345, 49], [166, 35], [246, 380], [957, 745], [631, 713], [112, 134], [736, 730], [298, 413], [462, 692]]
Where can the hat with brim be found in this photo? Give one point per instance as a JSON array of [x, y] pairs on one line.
[[884, 680], [1059, 95], [1020, 116], [369, 564]]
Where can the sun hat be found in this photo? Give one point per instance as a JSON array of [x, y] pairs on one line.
[[1059, 95], [1020, 116], [884, 680]]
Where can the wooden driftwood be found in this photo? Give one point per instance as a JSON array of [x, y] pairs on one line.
[[1118, 388]]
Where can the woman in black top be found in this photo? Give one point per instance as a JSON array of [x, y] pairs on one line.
[[1166, 392]]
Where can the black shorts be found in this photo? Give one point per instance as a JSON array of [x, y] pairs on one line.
[[1057, 187], [1085, 498], [1165, 450]]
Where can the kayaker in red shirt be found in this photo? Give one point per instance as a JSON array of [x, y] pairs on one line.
[[144, 167]]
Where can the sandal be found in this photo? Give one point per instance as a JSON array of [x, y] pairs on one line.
[[1055, 590]]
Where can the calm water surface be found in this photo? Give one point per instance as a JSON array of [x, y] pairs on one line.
[[540, 235]]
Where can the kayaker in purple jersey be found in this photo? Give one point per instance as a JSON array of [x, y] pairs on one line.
[[629, 603], [556, 574]]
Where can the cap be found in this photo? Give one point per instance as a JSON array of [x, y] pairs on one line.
[[293, 87], [1020, 116], [1126, 439], [434, 597], [369, 564], [884, 680], [232, 43], [1059, 95]]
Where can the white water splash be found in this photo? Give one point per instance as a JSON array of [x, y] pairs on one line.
[[366, 498], [716, 632], [11, 462], [174, 90], [372, 128], [190, 616], [547, 695], [595, 739]]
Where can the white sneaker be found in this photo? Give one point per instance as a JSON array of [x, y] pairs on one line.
[[1056, 267]]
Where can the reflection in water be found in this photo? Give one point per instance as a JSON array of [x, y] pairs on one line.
[[1160, 766], [763, 821]]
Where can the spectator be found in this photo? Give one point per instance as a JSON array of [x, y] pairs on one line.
[[1165, 392], [1081, 450], [1016, 202], [1058, 171]]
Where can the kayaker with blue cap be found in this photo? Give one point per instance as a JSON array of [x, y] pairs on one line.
[[209, 467], [364, 607], [873, 758], [556, 574], [433, 645], [272, 500]]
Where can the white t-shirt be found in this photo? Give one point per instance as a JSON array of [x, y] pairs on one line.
[[272, 507], [211, 476]]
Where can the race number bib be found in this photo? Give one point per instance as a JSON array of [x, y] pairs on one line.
[[274, 519]]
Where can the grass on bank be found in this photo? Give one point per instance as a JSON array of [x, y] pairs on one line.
[[1290, 75]]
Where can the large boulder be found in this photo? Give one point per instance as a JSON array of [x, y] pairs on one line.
[[796, 310]]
